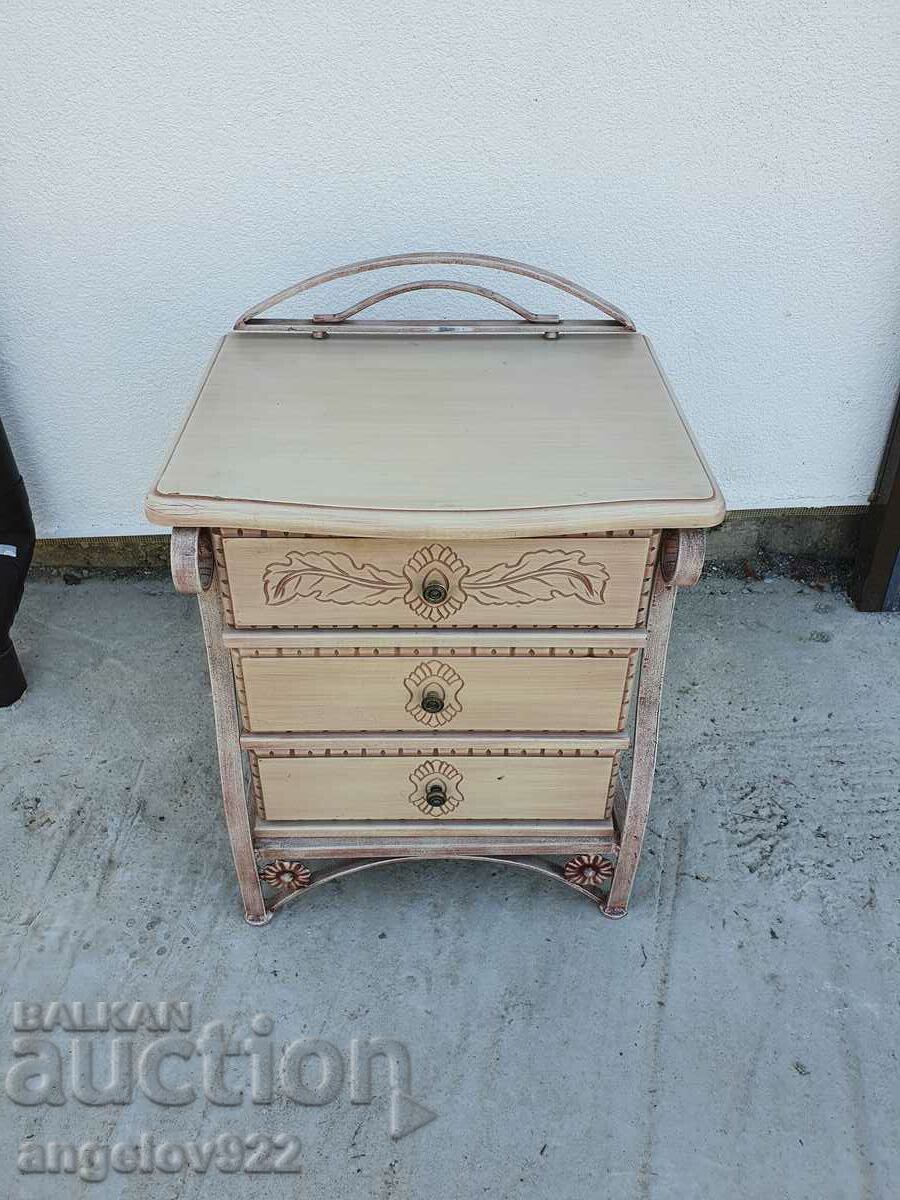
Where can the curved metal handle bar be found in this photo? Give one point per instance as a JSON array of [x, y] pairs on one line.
[[424, 285], [429, 258]]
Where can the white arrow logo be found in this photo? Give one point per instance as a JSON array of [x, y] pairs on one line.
[[407, 1115]]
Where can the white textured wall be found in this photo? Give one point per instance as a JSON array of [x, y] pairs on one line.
[[727, 173]]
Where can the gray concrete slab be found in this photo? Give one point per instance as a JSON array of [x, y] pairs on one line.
[[735, 1036]]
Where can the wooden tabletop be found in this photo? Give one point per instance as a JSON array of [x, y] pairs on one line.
[[431, 436]]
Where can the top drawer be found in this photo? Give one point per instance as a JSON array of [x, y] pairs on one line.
[[371, 582]]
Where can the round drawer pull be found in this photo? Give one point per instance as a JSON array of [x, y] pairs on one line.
[[435, 589], [433, 700], [432, 690], [436, 795], [436, 788]]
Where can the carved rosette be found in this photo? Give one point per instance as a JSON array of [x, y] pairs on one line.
[[434, 773], [588, 870], [433, 678], [335, 577], [285, 876]]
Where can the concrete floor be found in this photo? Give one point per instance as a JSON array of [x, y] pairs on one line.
[[736, 1036]]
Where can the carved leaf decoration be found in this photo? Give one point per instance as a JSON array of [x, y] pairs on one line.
[[330, 575], [540, 575]]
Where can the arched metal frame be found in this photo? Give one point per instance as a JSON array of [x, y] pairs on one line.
[[252, 317], [353, 866]]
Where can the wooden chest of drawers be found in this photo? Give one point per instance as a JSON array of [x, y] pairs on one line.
[[433, 561]]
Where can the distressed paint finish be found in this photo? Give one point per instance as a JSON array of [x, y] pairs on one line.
[[333, 783], [680, 562]]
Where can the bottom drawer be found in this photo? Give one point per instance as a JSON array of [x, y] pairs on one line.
[[486, 787]]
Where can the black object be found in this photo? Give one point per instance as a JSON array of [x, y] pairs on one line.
[[435, 794], [876, 586], [433, 702], [16, 549]]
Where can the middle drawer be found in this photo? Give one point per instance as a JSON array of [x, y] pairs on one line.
[[285, 691]]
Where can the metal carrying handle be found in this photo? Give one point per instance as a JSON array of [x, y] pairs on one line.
[[429, 258], [424, 285]]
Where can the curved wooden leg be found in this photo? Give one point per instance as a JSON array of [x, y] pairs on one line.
[[646, 737], [681, 560], [193, 571], [231, 767]]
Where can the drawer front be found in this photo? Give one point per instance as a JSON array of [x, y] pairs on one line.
[[372, 582], [286, 693], [457, 787]]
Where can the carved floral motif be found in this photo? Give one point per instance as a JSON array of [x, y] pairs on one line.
[[540, 575], [438, 677], [435, 772], [440, 565], [334, 576], [286, 875], [588, 870], [329, 575]]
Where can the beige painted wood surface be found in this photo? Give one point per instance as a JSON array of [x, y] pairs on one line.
[[383, 582], [475, 436], [403, 693], [363, 839], [448, 826], [239, 816], [384, 789]]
